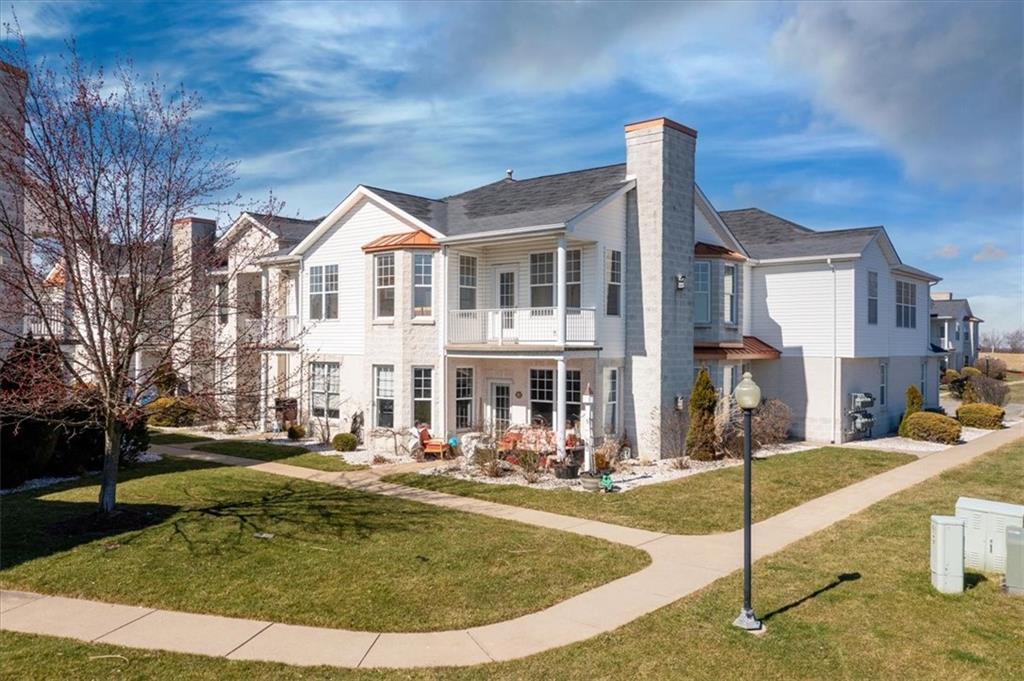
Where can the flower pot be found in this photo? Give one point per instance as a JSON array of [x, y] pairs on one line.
[[567, 471], [591, 483]]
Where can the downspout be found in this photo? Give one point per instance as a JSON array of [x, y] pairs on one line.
[[835, 334]]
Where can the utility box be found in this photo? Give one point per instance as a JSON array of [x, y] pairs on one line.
[[948, 554], [1015, 561], [985, 531]]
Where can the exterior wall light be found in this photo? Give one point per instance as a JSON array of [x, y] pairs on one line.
[[680, 282]]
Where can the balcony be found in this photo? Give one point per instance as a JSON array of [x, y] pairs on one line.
[[57, 318], [274, 332], [520, 326]]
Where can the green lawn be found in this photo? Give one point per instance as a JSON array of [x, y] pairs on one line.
[[699, 504], [1016, 392], [192, 536], [851, 602], [158, 438], [292, 455]]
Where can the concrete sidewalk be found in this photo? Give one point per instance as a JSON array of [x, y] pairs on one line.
[[680, 565]]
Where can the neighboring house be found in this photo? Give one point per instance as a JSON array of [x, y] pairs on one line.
[[12, 201], [847, 315], [954, 328]]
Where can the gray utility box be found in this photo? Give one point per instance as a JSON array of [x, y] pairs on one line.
[[948, 554], [985, 531], [1015, 560]]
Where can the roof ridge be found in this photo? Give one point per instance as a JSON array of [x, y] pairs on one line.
[[777, 217], [395, 191], [537, 177]]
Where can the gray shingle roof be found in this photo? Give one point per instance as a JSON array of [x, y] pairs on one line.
[[958, 308], [766, 236], [509, 203], [287, 229]]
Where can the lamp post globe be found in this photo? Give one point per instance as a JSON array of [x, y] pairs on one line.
[[748, 397]]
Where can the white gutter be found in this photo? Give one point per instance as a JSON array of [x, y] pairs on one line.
[[835, 333], [808, 258]]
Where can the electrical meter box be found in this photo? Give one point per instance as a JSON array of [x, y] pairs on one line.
[[948, 554], [1015, 561], [985, 531]]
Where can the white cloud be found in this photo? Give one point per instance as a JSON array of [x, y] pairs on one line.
[[947, 251], [989, 253], [939, 83], [39, 19]]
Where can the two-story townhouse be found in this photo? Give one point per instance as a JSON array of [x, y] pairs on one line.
[[954, 328], [847, 315]]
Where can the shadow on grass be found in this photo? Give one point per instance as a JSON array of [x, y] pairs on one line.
[[973, 579], [845, 577]]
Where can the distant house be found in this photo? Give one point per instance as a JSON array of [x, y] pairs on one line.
[[954, 328]]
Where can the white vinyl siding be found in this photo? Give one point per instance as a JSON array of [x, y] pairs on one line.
[[702, 292]]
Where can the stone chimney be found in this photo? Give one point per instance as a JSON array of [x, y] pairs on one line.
[[659, 315], [942, 295], [192, 243]]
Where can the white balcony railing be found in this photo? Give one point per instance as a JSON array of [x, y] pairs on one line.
[[536, 325], [274, 332], [55, 315]]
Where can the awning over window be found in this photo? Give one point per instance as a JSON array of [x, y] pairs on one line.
[[705, 250], [751, 348], [391, 242]]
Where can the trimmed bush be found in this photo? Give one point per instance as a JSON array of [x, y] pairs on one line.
[[171, 412], [967, 372], [932, 427], [914, 403], [987, 390], [345, 442], [981, 415], [991, 367], [948, 376], [296, 432], [700, 437]]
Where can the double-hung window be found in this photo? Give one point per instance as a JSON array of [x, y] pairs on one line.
[[611, 401], [573, 395], [883, 383], [923, 385], [542, 395], [384, 396], [573, 279], [613, 278], [384, 281], [222, 302], [702, 292], [729, 288], [422, 394], [467, 282], [542, 280], [323, 292], [872, 297], [422, 284], [463, 398], [325, 389], [906, 305]]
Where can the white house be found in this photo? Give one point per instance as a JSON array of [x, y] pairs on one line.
[[954, 328]]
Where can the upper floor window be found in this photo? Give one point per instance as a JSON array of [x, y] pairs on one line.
[[325, 389], [906, 305], [702, 292], [467, 282], [573, 278], [222, 302], [613, 294], [384, 278], [323, 292], [957, 334], [542, 280], [729, 288], [872, 297], [422, 284]]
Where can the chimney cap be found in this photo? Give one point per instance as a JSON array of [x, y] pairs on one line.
[[660, 122], [508, 173]]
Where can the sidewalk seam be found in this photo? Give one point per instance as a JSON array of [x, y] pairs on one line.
[[482, 650], [368, 649], [122, 626], [269, 624]]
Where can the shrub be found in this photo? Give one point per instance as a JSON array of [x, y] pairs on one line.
[[948, 376], [988, 390], [700, 437], [769, 425], [345, 442], [529, 463], [991, 367], [987, 416], [486, 459], [914, 403], [607, 454], [171, 412], [81, 447], [296, 432], [967, 372], [932, 427], [27, 448]]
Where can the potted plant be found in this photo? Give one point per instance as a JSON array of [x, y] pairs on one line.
[[567, 469]]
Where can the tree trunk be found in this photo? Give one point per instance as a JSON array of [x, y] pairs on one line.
[[111, 455]]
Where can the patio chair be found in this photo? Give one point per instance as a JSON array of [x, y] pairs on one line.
[[437, 447]]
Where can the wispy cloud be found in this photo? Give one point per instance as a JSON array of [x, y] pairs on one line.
[[989, 253], [947, 252]]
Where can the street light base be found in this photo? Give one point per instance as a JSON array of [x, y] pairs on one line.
[[748, 622]]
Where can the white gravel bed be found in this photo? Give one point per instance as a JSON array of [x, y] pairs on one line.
[[360, 457], [895, 443], [630, 474]]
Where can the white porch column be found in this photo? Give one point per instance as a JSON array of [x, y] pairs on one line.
[[264, 381], [560, 291], [440, 302], [560, 407]]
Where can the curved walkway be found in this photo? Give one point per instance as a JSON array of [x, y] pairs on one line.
[[680, 565]]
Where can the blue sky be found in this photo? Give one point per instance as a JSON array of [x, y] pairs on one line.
[[831, 114]]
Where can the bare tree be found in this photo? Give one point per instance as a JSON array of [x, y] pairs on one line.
[[992, 340], [1013, 341], [101, 260]]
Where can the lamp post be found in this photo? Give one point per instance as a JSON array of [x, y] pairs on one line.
[[748, 397]]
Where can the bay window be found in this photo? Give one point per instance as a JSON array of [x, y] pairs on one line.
[[422, 284], [384, 284], [729, 290], [702, 292]]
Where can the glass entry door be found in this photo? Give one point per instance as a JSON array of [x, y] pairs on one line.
[[501, 406]]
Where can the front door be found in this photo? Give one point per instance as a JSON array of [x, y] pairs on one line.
[[501, 406], [507, 300]]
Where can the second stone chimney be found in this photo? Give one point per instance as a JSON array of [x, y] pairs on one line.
[[659, 313]]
